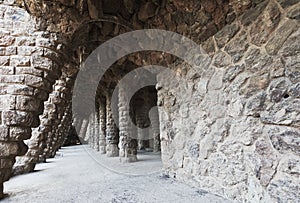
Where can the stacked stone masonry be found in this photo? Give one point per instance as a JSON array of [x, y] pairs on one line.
[[232, 127]]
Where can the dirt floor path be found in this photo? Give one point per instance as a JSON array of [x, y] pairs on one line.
[[79, 174]]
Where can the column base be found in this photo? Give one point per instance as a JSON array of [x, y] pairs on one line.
[[129, 159], [102, 150], [112, 150], [128, 155], [22, 169]]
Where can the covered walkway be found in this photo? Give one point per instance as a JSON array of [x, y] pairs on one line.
[[79, 174]]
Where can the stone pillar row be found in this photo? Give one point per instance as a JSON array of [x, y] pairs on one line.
[[62, 131], [61, 122], [46, 136], [104, 136]]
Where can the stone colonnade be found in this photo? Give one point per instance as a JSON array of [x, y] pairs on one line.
[[105, 137]]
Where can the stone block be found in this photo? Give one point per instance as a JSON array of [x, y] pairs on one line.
[[291, 46], [216, 82], [27, 50], [292, 70], [41, 63], [276, 42], [19, 133], [238, 47], [2, 51], [4, 136], [265, 24], [6, 39], [43, 42], [285, 139], [222, 59], [294, 13], [252, 14], [11, 79], [287, 3], [278, 89], [226, 34], [7, 70], [29, 71], [20, 61], [6, 24], [11, 51], [16, 89], [16, 14], [285, 112], [8, 149], [20, 118], [7, 102], [233, 71], [25, 41], [4, 60], [25, 103], [34, 81], [284, 188]]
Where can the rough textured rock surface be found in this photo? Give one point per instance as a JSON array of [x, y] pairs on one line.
[[243, 140]]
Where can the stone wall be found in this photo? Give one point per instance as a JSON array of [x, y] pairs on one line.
[[29, 67], [233, 128]]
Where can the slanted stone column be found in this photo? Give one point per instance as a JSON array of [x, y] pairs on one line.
[[154, 129], [102, 127], [96, 131], [127, 145], [91, 131], [83, 130], [60, 131], [44, 141], [77, 125], [112, 137], [64, 128]]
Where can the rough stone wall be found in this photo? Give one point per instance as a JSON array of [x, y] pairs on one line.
[[29, 67], [49, 131], [234, 127]]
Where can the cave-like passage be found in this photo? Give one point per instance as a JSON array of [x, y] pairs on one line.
[[133, 128]]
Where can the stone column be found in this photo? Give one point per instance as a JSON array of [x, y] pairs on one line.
[[96, 129], [83, 130], [111, 131], [61, 129], [127, 145], [102, 130], [154, 129], [91, 131]]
